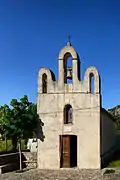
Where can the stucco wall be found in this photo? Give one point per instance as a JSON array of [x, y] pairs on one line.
[[108, 133], [86, 115]]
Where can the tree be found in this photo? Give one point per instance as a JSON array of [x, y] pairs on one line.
[[19, 121]]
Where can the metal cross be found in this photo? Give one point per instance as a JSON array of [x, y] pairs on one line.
[[68, 38]]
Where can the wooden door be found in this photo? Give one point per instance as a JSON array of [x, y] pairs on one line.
[[65, 151]]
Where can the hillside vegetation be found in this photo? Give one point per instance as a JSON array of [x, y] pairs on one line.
[[115, 111]]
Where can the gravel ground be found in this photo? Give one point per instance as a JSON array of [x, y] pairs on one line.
[[73, 174]]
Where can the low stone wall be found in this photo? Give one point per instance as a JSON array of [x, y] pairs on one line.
[[9, 158], [9, 162], [30, 159]]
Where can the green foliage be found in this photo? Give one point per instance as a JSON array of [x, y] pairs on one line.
[[118, 132], [23, 144], [115, 163], [109, 171], [7, 145], [114, 160], [19, 121], [115, 112]]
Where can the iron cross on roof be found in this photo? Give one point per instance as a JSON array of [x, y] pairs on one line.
[[69, 43]]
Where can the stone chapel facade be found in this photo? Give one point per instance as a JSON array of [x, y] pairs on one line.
[[76, 130]]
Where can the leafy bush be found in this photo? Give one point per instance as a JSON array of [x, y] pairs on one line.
[[109, 171]]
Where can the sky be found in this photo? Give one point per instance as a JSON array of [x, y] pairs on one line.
[[32, 33]]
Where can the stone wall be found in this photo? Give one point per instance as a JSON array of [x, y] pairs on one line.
[[29, 159], [9, 158], [9, 162]]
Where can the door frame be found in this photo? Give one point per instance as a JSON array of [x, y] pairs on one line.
[[72, 150]]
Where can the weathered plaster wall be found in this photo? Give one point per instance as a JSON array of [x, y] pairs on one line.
[[85, 125], [86, 115]]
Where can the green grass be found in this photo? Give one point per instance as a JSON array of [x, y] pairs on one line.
[[115, 160], [115, 163], [6, 146]]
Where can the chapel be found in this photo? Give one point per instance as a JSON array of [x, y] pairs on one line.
[[74, 129]]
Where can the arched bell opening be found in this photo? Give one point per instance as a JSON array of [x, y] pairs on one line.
[[91, 83], [44, 83], [67, 68]]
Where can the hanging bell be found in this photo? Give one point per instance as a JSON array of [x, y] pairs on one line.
[[69, 73]]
